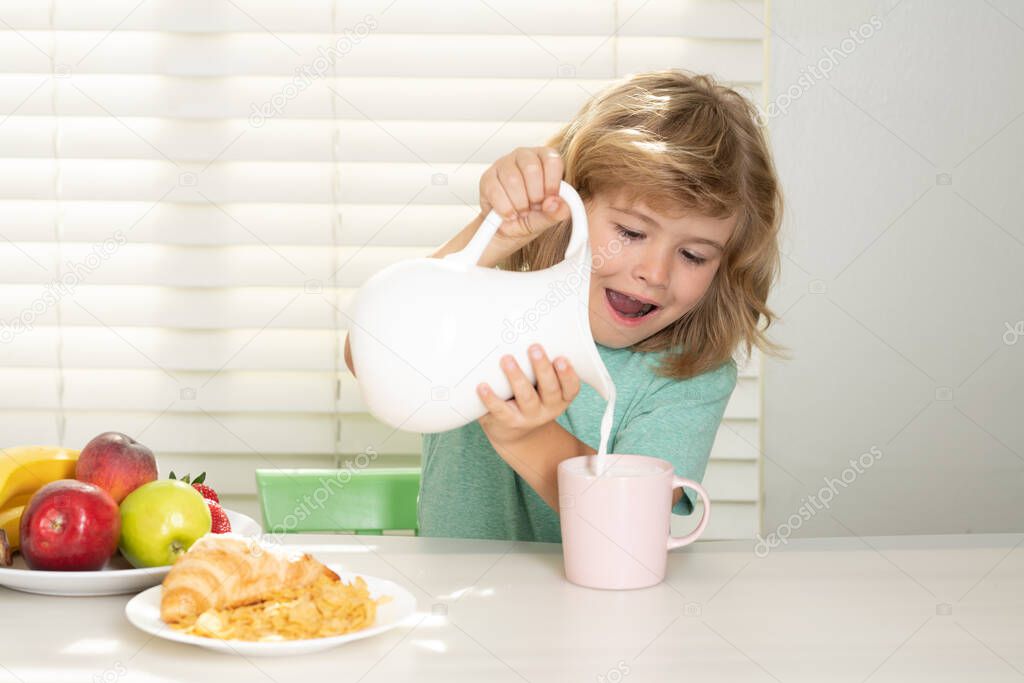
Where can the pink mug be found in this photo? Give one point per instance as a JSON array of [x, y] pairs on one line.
[[616, 525]]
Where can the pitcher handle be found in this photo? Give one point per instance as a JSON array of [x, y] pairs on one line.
[[472, 252]]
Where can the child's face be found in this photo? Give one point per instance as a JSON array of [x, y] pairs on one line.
[[668, 262]]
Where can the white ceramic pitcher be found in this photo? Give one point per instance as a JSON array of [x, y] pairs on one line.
[[425, 332]]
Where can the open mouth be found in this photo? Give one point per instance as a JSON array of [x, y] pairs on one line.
[[626, 307]]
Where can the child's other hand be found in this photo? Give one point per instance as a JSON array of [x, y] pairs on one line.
[[511, 420], [523, 188]]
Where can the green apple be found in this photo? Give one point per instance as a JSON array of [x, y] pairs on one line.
[[160, 521]]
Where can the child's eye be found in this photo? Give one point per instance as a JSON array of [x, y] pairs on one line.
[[627, 233], [693, 258]]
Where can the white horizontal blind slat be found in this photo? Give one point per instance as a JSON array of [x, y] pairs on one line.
[[233, 140], [720, 19], [239, 97], [728, 520], [203, 267], [223, 182], [242, 205], [502, 56], [246, 349], [250, 223]]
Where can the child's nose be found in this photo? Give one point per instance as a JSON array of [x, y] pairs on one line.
[[653, 269]]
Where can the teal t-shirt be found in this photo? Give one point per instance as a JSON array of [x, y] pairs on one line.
[[468, 491]]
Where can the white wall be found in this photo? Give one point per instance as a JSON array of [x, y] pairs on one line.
[[904, 243]]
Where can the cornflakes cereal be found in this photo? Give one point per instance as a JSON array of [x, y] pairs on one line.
[[326, 608]]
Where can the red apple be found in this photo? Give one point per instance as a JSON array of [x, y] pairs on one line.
[[69, 525], [116, 463]]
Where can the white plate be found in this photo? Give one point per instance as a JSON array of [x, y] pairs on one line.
[[115, 578], [143, 611]]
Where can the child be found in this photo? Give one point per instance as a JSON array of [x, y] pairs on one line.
[[683, 206]]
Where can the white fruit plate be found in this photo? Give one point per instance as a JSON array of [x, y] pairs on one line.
[[115, 578], [143, 611]]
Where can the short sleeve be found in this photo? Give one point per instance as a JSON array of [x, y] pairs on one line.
[[678, 422]]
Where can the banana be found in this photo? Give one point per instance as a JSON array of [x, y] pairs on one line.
[[26, 469], [10, 521], [17, 501]]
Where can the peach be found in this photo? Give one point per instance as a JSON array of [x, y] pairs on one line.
[[116, 463]]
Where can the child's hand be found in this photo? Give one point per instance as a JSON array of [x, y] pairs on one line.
[[523, 187], [511, 420]]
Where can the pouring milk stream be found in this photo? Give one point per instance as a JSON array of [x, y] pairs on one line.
[[425, 332]]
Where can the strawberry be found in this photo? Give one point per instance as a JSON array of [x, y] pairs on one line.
[[221, 524], [206, 492], [204, 489]]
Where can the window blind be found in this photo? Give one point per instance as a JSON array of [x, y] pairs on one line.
[[192, 190]]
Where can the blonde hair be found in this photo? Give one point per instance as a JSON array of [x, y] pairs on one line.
[[681, 142]]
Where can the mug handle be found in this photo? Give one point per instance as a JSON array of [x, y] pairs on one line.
[[679, 541], [471, 253]]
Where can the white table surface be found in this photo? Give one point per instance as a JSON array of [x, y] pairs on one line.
[[902, 608]]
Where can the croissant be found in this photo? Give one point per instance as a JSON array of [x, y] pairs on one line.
[[229, 570]]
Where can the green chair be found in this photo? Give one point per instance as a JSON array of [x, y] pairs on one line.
[[317, 500]]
